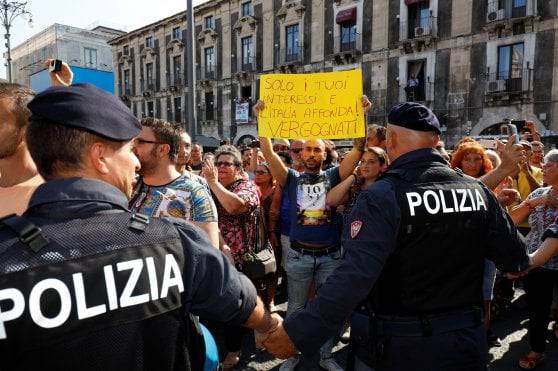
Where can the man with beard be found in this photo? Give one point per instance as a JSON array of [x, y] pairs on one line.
[[163, 191], [86, 284], [314, 251], [18, 173]]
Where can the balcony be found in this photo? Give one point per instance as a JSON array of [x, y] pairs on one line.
[[247, 64], [290, 57], [509, 86], [174, 81], [347, 48], [423, 93], [415, 36], [206, 75], [147, 86], [502, 14], [124, 90]]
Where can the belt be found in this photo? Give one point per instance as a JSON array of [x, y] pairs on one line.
[[429, 325], [296, 246]]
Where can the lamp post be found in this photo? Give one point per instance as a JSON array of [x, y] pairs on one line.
[[192, 128], [9, 11]]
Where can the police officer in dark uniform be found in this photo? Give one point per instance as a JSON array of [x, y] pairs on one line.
[[415, 246], [86, 285]]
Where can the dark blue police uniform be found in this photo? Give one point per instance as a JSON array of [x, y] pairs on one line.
[[85, 284], [415, 246]]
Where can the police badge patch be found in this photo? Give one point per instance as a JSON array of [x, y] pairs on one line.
[[355, 228]]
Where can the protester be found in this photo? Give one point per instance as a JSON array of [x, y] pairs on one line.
[[537, 154], [163, 191], [185, 151], [297, 146], [281, 145], [541, 210], [314, 251], [421, 273], [196, 157], [84, 238]]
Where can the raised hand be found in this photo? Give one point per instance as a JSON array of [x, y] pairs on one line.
[[366, 104], [512, 155], [257, 108], [64, 77]]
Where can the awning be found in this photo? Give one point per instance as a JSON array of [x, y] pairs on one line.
[[347, 15], [207, 142], [411, 2]]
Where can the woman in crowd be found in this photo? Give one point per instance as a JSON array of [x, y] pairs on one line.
[[540, 209], [269, 211], [237, 206], [473, 160]]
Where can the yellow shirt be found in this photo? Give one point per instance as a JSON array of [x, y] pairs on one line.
[[15, 199], [521, 184]]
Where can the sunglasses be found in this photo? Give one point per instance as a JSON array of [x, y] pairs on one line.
[[296, 150], [143, 141], [223, 163]]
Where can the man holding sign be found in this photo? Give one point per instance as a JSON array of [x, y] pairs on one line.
[[314, 253]]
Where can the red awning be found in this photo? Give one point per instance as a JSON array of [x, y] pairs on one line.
[[347, 15], [411, 2]]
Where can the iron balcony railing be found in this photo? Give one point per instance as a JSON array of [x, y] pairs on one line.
[[348, 43], [420, 28], [499, 10], [291, 54], [513, 81], [124, 90], [147, 85], [174, 80]]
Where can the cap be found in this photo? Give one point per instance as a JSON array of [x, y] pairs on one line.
[[88, 108], [414, 116], [282, 142]]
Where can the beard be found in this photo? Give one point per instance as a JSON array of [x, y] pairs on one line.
[[314, 165], [11, 143], [149, 164]]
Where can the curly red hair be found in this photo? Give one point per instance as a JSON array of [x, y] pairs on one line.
[[471, 147]]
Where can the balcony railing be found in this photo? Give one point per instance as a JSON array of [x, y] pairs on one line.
[[421, 93], [348, 43], [247, 63], [509, 82], [426, 27], [174, 80], [147, 85], [124, 90], [499, 10], [209, 72], [291, 55]]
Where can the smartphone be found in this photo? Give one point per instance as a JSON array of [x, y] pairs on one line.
[[509, 129], [488, 143], [55, 66], [255, 144]]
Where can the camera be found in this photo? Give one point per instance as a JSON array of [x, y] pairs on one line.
[[55, 66], [255, 144]]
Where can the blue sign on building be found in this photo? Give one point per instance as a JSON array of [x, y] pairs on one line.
[[101, 79]]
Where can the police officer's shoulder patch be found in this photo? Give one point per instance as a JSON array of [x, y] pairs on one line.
[[355, 228]]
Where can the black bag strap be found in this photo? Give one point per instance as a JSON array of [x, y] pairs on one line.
[[27, 232]]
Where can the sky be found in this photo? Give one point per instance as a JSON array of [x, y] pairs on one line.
[[126, 15]]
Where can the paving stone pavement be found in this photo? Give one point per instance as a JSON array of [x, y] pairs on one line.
[[511, 327]]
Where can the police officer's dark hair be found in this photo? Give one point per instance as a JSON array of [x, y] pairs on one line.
[[165, 132], [230, 151], [21, 95], [57, 149]]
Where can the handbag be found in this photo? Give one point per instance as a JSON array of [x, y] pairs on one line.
[[259, 260]]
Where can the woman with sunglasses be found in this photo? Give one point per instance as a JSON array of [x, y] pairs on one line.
[[237, 203]]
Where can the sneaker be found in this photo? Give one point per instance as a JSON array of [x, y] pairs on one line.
[[289, 364], [329, 364]]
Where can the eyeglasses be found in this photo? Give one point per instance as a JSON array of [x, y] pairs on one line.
[[223, 163], [296, 150], [142, 141], [260, 172]]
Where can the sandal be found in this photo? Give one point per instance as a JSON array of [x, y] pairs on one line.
[[231, 360], [530, 362]]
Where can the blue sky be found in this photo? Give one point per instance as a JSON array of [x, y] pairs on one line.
[[123, 14]]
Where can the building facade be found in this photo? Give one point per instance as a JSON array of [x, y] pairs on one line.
[[474, 62], [87, 49]]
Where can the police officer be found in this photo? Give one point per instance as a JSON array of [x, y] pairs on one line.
[[415, 246], [84, 284]]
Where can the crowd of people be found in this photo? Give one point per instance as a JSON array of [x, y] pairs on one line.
[[308, 201]]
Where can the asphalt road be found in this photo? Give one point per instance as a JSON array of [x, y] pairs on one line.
[[510, 326]]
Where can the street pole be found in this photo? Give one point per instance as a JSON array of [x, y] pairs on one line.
[[9, 11], [191, 64]]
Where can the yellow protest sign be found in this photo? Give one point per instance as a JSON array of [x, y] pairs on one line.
[[317, 105]]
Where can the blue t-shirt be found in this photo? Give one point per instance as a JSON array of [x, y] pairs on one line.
[[285, 213], [312, 221]]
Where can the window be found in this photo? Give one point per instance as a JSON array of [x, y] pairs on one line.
[[209, 106], [519, 8], [149, 76], [348, 36], [150, 110], [209, 62], [419, 17], [90, 57], [126, 82], [209, 22], [177, 109], [292, 42], [126, 50], [177, 70], [246, 8], [176, 33], [510, 61], [149, 42], [246, 52]]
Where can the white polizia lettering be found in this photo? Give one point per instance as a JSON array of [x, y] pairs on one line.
[[130, 275], [446, 202]]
